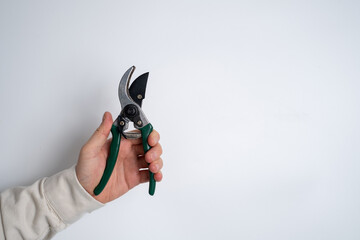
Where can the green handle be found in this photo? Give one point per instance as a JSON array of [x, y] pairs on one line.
[[145, 132], [110, 163]]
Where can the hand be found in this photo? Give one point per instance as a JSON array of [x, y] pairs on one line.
[[126, 173]]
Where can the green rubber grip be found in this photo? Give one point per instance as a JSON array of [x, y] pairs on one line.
[[110, 163], [145, 132]]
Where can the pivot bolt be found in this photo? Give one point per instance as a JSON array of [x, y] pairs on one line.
[[122, 123], [139, 123], [131, 111], [139, 96]]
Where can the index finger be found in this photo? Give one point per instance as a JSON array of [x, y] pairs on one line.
[[154, 138]]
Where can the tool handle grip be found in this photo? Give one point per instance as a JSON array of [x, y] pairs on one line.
[[110, 163], [145, 132]]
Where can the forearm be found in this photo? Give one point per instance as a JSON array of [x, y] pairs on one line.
[[44, 208]]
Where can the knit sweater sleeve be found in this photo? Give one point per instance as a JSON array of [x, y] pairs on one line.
[[46, 207]]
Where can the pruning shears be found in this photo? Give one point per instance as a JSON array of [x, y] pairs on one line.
[[130, 101]]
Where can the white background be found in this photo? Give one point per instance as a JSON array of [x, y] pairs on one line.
[[257, 104]]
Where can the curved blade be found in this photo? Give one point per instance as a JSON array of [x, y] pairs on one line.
[[123, 91], [138, 88]]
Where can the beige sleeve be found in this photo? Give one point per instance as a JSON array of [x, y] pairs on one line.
[[44, 208]]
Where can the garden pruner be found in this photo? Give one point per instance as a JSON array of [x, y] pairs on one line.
[[130, 100]]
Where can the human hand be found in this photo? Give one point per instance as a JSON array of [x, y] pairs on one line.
[[126, 173]]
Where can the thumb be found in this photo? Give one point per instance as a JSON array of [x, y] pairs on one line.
[[98, 139]]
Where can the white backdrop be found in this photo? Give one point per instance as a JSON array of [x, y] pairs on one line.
[[257, 104]]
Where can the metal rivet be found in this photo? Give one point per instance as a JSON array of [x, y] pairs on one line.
[[139, 122], [139, 96], [122, 123]]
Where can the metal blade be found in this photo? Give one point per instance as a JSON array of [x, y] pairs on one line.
[[138, 88], [123, 91]]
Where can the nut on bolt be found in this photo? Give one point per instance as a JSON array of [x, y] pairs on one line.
[[131, 111]]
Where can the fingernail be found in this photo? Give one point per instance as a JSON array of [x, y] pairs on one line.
[[156, 139]]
